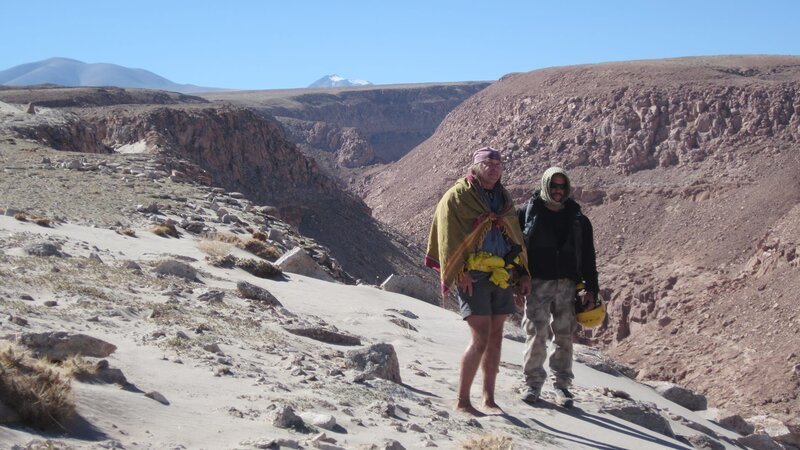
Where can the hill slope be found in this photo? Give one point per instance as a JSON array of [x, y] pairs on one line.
[[70, 72], [688, 170]]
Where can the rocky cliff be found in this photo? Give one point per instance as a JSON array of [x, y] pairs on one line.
[[688, 170], [358, 126], [243, 152]]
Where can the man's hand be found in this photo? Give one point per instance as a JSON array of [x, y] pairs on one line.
[[588, 299], [523, 286], [465, 283]]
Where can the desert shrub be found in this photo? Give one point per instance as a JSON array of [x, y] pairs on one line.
[[229, 238], [165, 230], [78, 368], [22, 217], [259, 268], [214, 248], [262, 249], [258, 235], [34, 388], [41, 221], [226, 262], [488, 442]]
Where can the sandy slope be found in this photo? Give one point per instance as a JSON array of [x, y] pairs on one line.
[[233, 411]]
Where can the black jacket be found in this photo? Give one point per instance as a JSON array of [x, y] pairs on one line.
[[560, 244]]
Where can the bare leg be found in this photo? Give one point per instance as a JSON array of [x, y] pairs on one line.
[[471, 360], [491, 362]]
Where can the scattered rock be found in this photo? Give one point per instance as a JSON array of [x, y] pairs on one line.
[[59, 345], [735, 422], [402, 323], [325, 421], [378, 360], [759, 441], [325, 335], [43, 249], [682, 396], [641, 414], [285, 417], [704, 442], [412, 286], [253, 292], [176, 268], [211, 296], [155, 395], [299, 262]]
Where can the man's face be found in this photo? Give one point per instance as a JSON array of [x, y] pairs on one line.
[[558, 187], [491, 171]]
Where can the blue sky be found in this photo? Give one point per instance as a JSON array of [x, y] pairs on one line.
[[291, 43]]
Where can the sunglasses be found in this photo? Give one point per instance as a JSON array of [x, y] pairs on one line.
[[562, 186]]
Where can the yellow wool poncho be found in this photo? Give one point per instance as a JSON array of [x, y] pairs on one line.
[[459, 226]]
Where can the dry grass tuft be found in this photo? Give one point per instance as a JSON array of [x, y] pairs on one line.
[[214, 248], [42, 221], [22, 217], [34, 388], [125, 231], [488, 442], [228, 238], [79, 368], [166, 230], [259, 268], [262, 249], [257, 235]]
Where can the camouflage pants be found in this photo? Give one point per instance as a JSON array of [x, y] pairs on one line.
[[549, 296]]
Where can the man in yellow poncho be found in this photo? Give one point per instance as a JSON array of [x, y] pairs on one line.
[[476, 242]]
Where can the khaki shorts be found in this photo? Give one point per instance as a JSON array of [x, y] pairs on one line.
[[487, 299]]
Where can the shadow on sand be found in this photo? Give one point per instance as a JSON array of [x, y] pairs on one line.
[[611, 425]]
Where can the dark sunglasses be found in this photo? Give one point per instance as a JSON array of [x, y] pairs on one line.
[[562, 186]]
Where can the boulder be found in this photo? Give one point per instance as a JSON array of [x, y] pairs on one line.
[[759, 441], [735, 422], [325, 421], [59, 345], [777, 429], [682, 396], [285, 417], [253, 292], [176, 268], [412, 286], [376, 361], [42, 249], [641, 414], [299, 262]]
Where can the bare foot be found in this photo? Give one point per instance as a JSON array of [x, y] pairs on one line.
[[467, 407], [492, 408]]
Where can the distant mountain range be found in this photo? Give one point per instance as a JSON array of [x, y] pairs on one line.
[[70, 72], [337, 81]]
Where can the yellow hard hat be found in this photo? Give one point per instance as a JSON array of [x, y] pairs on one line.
[[592, 318]]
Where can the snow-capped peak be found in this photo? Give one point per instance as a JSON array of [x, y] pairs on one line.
[[335, 80]]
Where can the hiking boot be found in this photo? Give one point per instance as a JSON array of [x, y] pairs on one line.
[[530, 394], [564, 397]]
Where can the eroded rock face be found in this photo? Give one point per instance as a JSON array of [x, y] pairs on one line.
[[363, 125]]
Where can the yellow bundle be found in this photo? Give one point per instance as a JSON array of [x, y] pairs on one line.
[[487, 262]]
